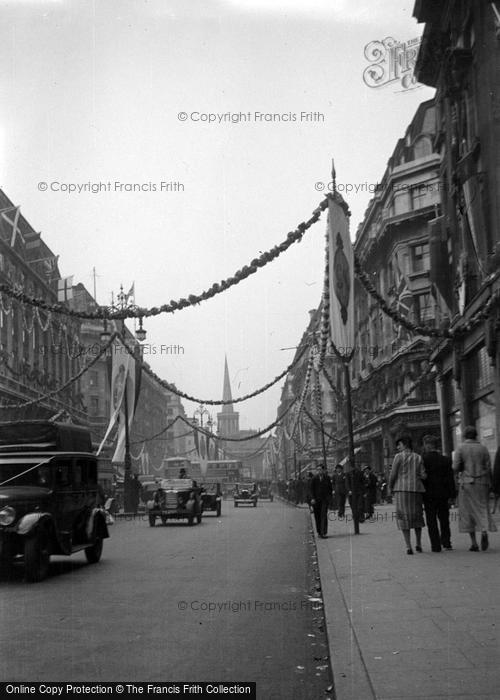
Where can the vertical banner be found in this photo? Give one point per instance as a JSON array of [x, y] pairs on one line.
[[126, 374], [341, 264], [118, 375]]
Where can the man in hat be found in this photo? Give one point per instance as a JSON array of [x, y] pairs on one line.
[[321, 493]]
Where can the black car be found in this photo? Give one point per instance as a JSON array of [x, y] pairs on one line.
[[211, 498], [265, 492], [49, 497], [245, 494], [175, 499]]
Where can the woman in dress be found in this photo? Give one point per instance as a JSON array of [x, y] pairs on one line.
[[406, 484], [473, 464]]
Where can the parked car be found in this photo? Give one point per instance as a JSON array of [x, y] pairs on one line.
[[175, 499], [245, 494], [49, 498], [211, 498]]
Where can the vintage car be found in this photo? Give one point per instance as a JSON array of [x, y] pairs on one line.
[[175, 499], [49, 498], [211, 498], [245, 494], [265, 492]]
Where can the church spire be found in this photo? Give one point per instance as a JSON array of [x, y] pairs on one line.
[[226, 390]]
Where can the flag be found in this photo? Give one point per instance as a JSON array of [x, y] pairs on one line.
[[440, 269], [65, 289], [404, 300], [131, 294], [341, 271], [10, 216], [50, 264]]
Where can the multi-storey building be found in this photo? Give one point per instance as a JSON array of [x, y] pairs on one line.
[[392, 246], [39, 351], [460, 57]]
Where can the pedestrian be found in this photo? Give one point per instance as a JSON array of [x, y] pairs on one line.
[[310, 476], [339, 490], [370, 491], [439, 490], [406, 483], [473, 464], [136, 494], [321, 493], [355, 490]]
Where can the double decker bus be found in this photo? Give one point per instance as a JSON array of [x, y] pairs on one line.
[[226, 472]]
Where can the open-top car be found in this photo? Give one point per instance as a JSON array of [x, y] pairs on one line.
[[49, 497], [211, 498], [245, 494], [175, 499]]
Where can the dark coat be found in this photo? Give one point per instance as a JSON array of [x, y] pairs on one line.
[[496, 474], [440, 481], [321, 487], [339, 484]]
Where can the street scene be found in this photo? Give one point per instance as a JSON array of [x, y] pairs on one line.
[[250, 349]]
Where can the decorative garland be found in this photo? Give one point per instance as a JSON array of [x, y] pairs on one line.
[[217, 288], [70, 381], [208, 433]]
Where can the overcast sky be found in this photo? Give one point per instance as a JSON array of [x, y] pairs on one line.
[[90, 92]]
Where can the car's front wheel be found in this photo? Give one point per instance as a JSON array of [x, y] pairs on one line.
[[37, 556], [94, 552]]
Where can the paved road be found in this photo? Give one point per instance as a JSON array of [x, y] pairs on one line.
[[226, 600]]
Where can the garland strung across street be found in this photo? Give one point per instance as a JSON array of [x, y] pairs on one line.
[[208, 433], [193, 299]]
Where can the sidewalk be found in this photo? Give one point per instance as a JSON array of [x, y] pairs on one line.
[[424, 626]]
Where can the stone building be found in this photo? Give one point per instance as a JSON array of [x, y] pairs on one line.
[[460, 57], [392, 245], [39, 351]]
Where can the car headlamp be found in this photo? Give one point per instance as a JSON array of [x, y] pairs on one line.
[[7, 515]]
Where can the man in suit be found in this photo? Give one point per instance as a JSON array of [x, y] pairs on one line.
[[321, 493], [439, 489]]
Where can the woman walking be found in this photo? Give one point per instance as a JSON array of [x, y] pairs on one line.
[[406, 484], [473, 464]]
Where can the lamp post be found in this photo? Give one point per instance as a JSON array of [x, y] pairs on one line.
[[123, 303]]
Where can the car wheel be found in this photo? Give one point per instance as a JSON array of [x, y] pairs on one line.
[[37, 556], [94, 552], [152, 520], [219, 510]]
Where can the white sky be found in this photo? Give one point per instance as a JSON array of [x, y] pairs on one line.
[[90, 92]]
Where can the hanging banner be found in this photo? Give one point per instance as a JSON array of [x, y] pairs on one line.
[[341, 263], [126, 372], [121, 360]]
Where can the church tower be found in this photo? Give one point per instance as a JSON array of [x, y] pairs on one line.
[[228, 420]]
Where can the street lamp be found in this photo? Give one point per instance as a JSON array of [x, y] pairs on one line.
[[202, 411]]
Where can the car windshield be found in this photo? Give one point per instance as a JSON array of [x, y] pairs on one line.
[[176, 484], [24, 471], [210, 488]]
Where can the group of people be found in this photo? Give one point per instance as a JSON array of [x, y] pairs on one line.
[[419, 484], [427, 483]]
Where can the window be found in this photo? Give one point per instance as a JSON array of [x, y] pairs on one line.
[[424, 306], [420, 258], [422, 147], [94, 405]]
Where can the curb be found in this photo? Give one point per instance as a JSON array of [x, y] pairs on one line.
[[350, 676]]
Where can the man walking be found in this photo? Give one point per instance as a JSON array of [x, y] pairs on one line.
[[340, 490], [321, 493], [439, 488]]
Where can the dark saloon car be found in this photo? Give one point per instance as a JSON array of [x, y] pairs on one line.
[[211, 498], [265, 492], [245, 494], [175, 499], [49, 498]]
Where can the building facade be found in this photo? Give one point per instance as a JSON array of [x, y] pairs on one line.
[[460, 57], [393, 249]]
